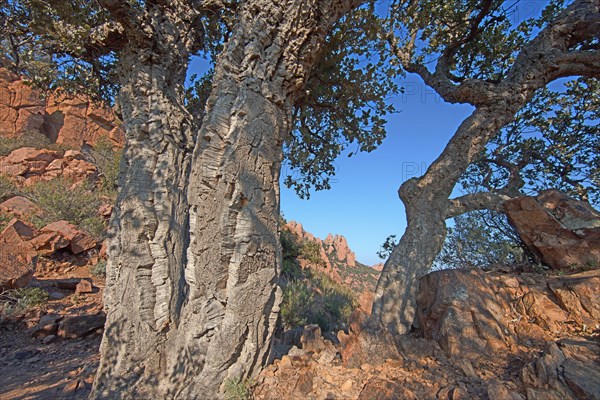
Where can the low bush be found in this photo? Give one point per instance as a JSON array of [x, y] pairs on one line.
[[238, 389], [77, 204], [316, 299], [99, 269], [33, 139], [311, 251], [16, 301], [7, 188], [107, 159]]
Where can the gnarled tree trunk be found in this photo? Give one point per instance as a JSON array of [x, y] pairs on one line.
[[192, 295], [554, 53]]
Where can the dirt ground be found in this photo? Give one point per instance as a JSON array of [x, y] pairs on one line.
[[51, 367]]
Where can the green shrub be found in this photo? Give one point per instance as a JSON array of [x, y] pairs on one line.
[[289, 246], [238, 389], [7, 188], [99, 269], [311, 251], [107, 159], [60, 201], [291, 269], [296, 304], [16, 301], [4, 220], [316, 299], [33, 139]]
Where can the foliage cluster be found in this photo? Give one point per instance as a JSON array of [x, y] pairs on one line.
[[60, 199], [554, 142], [482, 239], [34, 139], [316, 299], [16, 301], [107, 159], [99, 269], [238, 389], [311, 251], [344, 104]]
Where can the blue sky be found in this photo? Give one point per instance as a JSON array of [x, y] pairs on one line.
[[363, 203]]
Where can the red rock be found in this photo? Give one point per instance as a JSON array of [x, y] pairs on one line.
[[578, 295], [365, 344], [20, 207], [17, 231], [78, 170], [71, 121], [563, 232], [68, 283], [451, 311], [17, 257], [105, 210], [84, 286], [472, 313], [78, 241], [103, 249], [21, 107], [381, 389], [48, 325], [312, 340], [48, 243], [80, 326], [28, 154], [582, 378], [12, 170]]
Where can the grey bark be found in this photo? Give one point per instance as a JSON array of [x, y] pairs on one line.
[[192, 296], [549, 56]]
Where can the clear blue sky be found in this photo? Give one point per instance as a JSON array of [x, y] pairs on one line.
[[363, 203]]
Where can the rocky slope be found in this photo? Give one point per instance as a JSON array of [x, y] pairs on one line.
[[482, 336], [338, 261], [51, 350]]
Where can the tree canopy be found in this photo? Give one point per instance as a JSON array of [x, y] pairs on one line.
[[75, 47]]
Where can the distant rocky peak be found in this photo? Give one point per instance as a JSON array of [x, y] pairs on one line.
[[335, 246]]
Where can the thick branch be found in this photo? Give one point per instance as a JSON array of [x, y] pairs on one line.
[[577, 63], [472, 91], [474, 202]]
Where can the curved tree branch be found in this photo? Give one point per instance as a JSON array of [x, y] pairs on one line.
[[474, 202]]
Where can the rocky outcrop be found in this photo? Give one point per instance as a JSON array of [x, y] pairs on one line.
[[78, 241], [18, 257], [27, 165], [21, 107], [564, 233], [338, 262], [20, 207], [81, 325], [470, 313], [69, 121], [337, 247], [486, 336]]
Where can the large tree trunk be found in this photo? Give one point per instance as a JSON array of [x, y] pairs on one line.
[[149, 228], [192, 296]]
